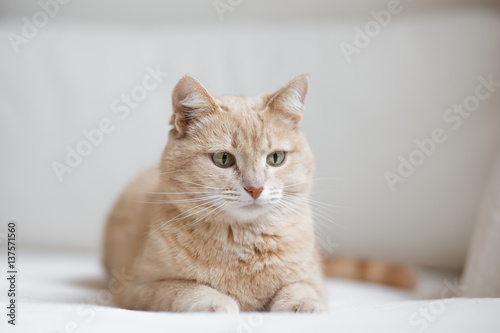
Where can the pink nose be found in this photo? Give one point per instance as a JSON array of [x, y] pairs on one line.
[[254, 191]]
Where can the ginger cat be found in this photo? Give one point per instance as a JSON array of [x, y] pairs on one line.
[[231, 229]]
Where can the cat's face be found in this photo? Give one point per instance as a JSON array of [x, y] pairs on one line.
[[239, 156]]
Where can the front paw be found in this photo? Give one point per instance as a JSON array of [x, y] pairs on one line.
[[298, 305], [297, 297], [207, 300]]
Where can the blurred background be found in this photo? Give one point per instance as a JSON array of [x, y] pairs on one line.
[[403, 112]]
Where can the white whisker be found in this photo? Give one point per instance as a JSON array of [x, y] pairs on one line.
[[314, 213], [181, 200], [180, 216], [185, 181], [215, 204], [309, 200], [164, 173], [309, 181], [176, 192]]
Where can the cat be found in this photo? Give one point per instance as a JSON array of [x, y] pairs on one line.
[[223, 224]]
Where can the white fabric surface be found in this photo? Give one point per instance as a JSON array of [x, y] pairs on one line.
[[61, 289], [482, 270]]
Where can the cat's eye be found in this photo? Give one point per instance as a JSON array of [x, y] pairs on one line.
[[223, 159], [276, 158]]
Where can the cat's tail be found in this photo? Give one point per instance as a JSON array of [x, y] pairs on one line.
[[371, 271]]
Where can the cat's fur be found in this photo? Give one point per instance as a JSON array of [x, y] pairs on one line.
[[181, 229]]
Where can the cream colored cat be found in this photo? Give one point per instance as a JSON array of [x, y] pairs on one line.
[[223, 224]]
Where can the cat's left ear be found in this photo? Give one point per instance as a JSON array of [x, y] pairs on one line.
[[290, 99]]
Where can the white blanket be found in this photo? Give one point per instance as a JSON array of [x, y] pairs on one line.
[[65, 292]]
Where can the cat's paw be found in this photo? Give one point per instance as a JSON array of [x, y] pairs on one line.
[[297, 297], [221, 303], [298, 305], [211, 301]]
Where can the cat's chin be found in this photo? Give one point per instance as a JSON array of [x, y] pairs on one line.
[[250, 212]]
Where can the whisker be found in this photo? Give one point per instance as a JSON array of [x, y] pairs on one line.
[[318, 210], [309, 181], [317, 205], [319, 233], [179, 216], [312, 201], [175, 192], [181, 200], [212, 204], [287, 205], [164, 173], [318, 215], [309, 200], [185, 181], [216, 205], [296, 184]]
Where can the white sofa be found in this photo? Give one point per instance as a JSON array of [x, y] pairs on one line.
[[365, 119]]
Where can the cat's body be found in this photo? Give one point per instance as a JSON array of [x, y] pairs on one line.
[[220, 225]]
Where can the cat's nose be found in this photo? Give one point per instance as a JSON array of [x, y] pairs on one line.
[[254, 191]]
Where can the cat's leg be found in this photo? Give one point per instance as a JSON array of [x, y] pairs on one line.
[[298, 297], [177, 296]]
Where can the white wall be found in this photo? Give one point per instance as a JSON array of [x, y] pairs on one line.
[[360, 116]]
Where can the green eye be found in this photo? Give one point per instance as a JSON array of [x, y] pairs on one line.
[[223, 159], [276, 158]]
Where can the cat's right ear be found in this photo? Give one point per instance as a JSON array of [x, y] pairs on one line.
[[190, 100]]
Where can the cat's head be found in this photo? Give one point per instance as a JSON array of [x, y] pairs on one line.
[[237, 156]]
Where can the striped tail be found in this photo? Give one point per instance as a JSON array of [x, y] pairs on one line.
[[371, 271]]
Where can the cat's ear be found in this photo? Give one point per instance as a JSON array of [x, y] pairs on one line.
[[290, 99], [190, 101]]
